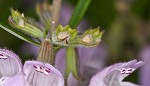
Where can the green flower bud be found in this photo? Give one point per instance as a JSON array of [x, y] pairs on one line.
[[91, 37], [64, 35], [27, 26]]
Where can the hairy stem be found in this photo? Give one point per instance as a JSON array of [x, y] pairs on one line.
[[56, 13]]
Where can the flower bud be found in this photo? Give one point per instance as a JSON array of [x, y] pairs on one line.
[[25, 25]]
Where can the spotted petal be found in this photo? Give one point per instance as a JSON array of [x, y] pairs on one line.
[[113, 75], [42, 74], [10, 63]]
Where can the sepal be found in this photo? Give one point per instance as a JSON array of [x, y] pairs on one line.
[[28, 26], [91, 37], [65, 36]]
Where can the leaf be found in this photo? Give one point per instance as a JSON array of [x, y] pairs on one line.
[[79, 13], [18, 34]]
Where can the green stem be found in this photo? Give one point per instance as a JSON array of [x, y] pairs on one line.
[[72, 63], [72, 59], [56, 12], [46, 52]]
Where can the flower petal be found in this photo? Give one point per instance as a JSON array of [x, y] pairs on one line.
[[145, 69], [17, 80], [10, 63], [113, 75], [128, 84], [42, 74]]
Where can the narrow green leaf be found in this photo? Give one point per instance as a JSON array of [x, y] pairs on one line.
[[18, 34], [79, 12]]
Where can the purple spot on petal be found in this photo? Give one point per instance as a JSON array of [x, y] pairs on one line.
[[4, 58], [123, 71], [47, 71], [130, 70], [35, 66], [1, 55]]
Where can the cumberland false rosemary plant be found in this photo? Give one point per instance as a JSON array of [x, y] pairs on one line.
[[51, 36]]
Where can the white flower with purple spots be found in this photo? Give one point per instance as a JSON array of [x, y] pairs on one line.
[[33, 73], [113, 75]]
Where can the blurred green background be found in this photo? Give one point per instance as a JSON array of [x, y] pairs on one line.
[[126, 24]]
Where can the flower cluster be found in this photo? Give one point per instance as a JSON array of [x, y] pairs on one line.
[[33, 73], [36, 73]]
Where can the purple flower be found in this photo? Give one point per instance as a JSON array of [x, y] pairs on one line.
[[113, 75], [91, 61], [33, 73], [145, 70]]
